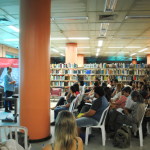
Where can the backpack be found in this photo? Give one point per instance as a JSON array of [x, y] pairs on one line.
[[122, 137]]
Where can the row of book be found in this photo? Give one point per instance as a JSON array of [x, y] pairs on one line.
[[61, 83], [61, 77], [101, 65]]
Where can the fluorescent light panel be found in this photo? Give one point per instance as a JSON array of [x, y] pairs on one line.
[[11, 40], [62, 54], [123, 52], [14, 28], [103, 29], [54, 50], [110, 5], [70, 18], [143, 49], [133, 54], [97, 54], [138, 17], [100, 43], [78, 38], [84, 52], [98, 50]]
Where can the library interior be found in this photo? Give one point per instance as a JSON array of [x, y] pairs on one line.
[[74, 74]]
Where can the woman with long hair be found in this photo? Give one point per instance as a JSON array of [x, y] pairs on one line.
[[65, 133]]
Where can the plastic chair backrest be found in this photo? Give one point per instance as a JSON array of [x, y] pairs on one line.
[[72, 105], [103, 117], [144, 114], [56, 91], [15, 129], [83, 89]]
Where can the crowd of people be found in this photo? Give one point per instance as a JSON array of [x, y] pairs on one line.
[[127, 106]]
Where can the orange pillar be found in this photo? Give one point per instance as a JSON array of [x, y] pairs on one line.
[[71, 53], [134, 61], [80, 59], [35, 68], [148, 58]]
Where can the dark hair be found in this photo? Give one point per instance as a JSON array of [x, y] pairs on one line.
[[107, 92], [8, 68], [72, 88], [99, 90], [111, 81], [138, 95], [76, 85], [115, 80], [131, 82], [145, 80], [96, 83], [81, 83], [127, 89], [104, 85], [145, 87]]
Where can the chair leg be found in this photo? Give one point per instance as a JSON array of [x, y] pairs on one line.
[[103, 135], [141, 135], [87, 135]]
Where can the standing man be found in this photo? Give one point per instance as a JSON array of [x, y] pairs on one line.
[[9, 88]]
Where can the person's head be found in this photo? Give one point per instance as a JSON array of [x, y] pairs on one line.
[[136, 97], [140, 84], [118, 87], [9, 69], [96, 83], [133, 84], [65, 130], [144, 81], [108, 81], [72, 89], [81, 83], [115, 82], [144, 88], [122, 86], [126, 91], [76, 85], [104, 85], [136, 84], [111, 82], [98, 91]]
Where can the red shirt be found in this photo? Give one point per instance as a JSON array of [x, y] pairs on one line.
[[122, 101], [77, 92]]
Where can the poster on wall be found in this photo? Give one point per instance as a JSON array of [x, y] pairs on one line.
[[6, 62]]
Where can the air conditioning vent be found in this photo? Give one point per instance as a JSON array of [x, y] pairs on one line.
[[137, 17], [106, 17], [3, 20]]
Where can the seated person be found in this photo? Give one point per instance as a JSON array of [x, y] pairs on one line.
[[92, 117], [65, 134], [104, 85], [62, 100], [144, 91], [65, 107], [107, 92], [109, 83], [131, 117], [117, 93]]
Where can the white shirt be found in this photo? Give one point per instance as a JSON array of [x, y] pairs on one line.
[[129, 102], [108, 85], [117, 96]]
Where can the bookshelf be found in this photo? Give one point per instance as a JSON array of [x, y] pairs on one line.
[[61, 76]]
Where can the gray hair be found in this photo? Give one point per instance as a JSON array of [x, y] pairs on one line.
[[138, 95]]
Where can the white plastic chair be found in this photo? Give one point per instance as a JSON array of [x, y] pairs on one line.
[[9, 129], [101, 125], [83, 89]]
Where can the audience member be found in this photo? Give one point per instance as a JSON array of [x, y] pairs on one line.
[[131, 117], [76, 88], [92, 117], [108, 83], [107, 93], [144, 82], [104, 85], [65, 134], [144, 91], [65, 107]]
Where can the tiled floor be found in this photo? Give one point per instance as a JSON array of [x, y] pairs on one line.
[[94, 144]]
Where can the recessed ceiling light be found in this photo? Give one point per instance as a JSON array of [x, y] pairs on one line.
[[97, 54], [70, 18], [110, 52], [83, 47], [138, 17], [14, 28], [11, 40], [133, 54], [110, 5], [54, 50], [62, 54], [58, 38], [103, 29], [115, 47], [143, 49], [78, 38], [98, 50], [132, 47], [100, 43], [84, 52]]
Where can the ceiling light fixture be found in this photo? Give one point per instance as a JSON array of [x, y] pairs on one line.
[[115, 47], [123, 52], [143, 49], [11, 40], [110, 52], [132, 47], [98, 50], [110, 5], [83, 47], [62, 54], [14, 28], [78, 38], [69, 18], [100, 43], [138, 17], [133, 54], [58, 38], [103, 29], [97, 54], [54, 50], [84, 52]]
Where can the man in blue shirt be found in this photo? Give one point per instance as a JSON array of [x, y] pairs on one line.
[[9, 88]]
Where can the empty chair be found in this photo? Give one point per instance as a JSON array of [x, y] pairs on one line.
[[55, 92]]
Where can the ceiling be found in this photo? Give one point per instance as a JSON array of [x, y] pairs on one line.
[[121, 32]]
